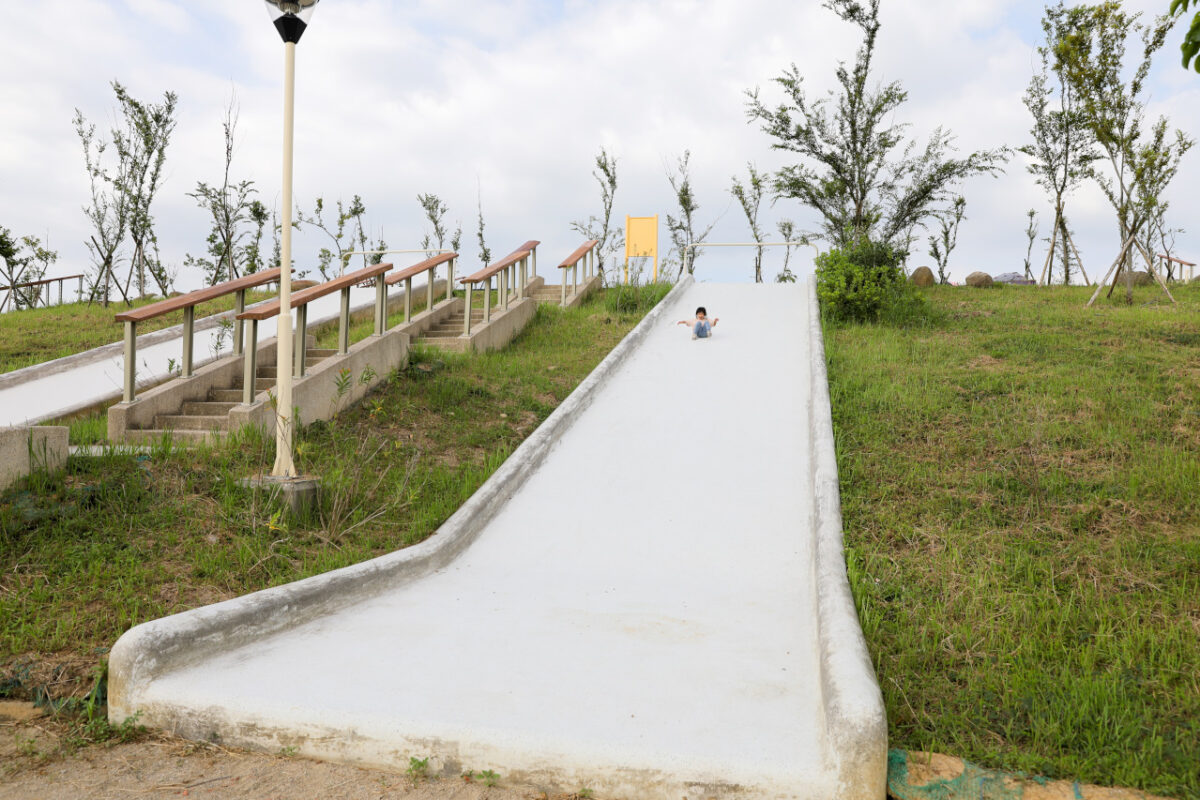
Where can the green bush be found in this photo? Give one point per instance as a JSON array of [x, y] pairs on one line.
[[864, 283]]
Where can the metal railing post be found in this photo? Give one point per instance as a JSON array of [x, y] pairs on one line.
[[80, 298], [522, 266], [130, 392], [380, 306], [407, 300], [450, 279], [250, 362], [189, 327], [430, 277], [533, 260], [487, 301], [344, 323], [575, 278], [301, 340], [504, 287], [563, 287], [239, 305], [467, 317]]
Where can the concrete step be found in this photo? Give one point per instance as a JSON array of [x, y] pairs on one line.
[[155, 435], [208, 408], [231, 396], [442, 334], [190, 422], [272, 372]]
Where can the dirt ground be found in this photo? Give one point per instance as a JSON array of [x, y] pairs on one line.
[[34, 765]]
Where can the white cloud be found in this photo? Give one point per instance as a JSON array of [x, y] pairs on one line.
[[394, 99]]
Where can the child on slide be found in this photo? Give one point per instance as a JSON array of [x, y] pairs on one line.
[[701, 327]]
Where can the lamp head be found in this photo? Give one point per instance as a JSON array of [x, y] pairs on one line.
[[290, 17]]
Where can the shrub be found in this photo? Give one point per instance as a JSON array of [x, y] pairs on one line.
[[864, 283]]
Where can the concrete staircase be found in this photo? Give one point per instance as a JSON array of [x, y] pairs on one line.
[[200, 420], [548, 294], [450, 327]]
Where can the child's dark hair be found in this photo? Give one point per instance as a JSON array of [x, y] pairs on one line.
[[702, 310]]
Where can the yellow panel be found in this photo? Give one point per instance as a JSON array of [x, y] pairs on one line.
[[641, 237]]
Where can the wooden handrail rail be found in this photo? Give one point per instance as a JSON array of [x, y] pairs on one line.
[[199, 296], [579, 253], [41, 282], [305, 296], [1176, 260], [417, 269], [504, 263]]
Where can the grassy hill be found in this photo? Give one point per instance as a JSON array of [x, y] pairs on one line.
[[1021, 490]]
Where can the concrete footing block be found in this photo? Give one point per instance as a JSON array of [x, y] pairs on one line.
[[23, 450]]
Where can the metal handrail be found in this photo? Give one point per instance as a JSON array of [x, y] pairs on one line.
[[517, 267], [587, 252], [300, 301], [12, 290], [693, 246], [187, 303], [429, 265]]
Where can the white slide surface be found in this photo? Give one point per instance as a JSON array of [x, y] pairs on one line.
[[639, 616]]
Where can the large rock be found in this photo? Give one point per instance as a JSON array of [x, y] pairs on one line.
[[980, 280], [922, 276], [1015, 279]]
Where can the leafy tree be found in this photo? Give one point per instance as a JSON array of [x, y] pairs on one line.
[[143, 143], [23, 260], [259, 216], [1031, 232], [787, 229], [1141, 162], [749, 196], [1191, 40], [107, 211], [229, 206], [849, 172], [1063, 146], [347, 234], [434, 210], [683, 230], [485, 252], [947, 238], [610, 240]]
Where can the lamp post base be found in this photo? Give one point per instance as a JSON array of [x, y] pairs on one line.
[[299, 492]]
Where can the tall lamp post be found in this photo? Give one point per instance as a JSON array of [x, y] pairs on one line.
[[291, 20]]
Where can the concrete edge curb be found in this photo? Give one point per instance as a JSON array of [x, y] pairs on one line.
[[855, 718], [159, 646]]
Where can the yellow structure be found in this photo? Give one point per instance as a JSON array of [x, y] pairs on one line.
[[641, 241]]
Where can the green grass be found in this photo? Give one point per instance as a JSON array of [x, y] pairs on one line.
[[117, 539], [1021, 491], [31, 336]]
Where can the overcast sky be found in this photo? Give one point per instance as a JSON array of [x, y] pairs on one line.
[[511, 101]]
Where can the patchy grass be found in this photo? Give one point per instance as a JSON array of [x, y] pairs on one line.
[[1021, 490], [31, 336], [117, 539]]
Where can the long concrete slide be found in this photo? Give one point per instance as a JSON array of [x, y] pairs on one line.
[[648, 598]]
